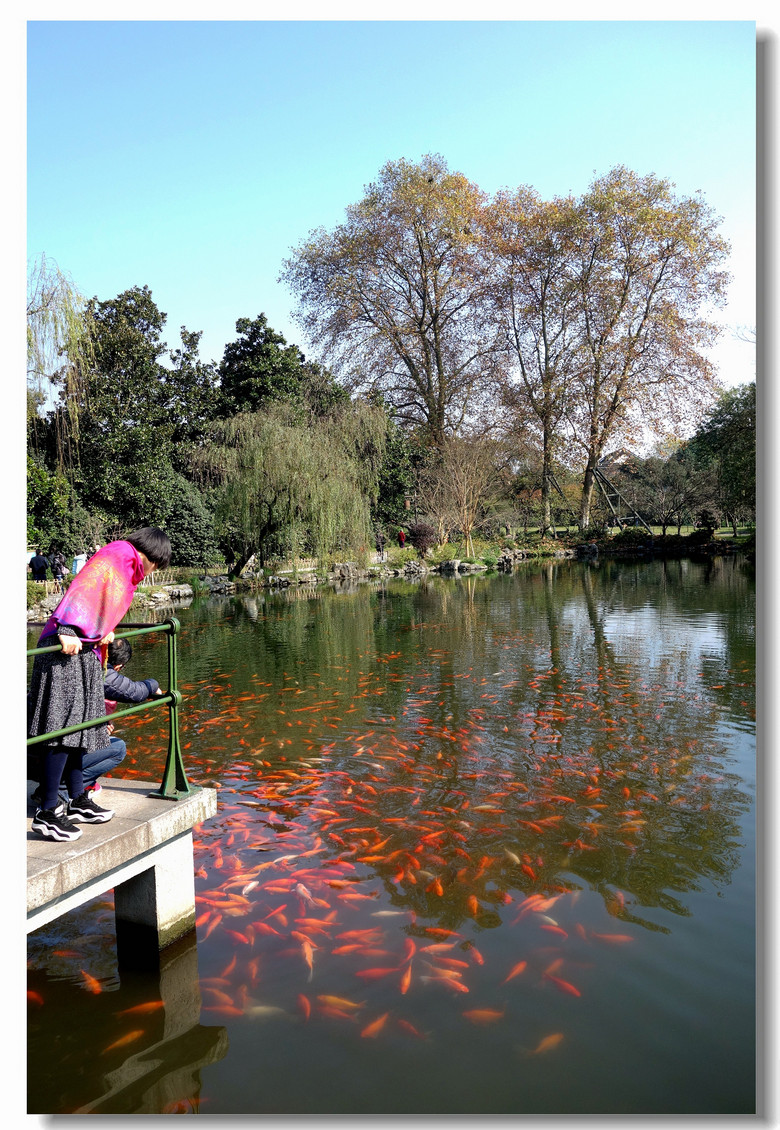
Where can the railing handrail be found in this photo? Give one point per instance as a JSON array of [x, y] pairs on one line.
[[174, 784]]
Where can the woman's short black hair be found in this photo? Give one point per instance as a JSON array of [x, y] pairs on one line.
[[119, 651], [154, 543]]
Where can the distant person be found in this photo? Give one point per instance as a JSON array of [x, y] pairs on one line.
[[39, 564], [79, 561], [66, 687], [59, 569], [401, 538], [380, 545]]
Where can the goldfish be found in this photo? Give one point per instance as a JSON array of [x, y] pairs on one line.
[[123, 1040], [515, 970], [308, 956], [483, 1015], [142, 1009], [456, 986], [340, 1002], [91, 982], [564, 986], [547, 1043], [375, 1027]]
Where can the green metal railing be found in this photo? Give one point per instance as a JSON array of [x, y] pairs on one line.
[[174, 784]]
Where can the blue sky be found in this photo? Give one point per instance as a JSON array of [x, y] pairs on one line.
[[191, 156]]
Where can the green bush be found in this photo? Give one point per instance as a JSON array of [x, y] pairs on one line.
[[700, 537], [397, 557], [196, 583], [632, 535], [35, 593], [445, 552], [595, 532]]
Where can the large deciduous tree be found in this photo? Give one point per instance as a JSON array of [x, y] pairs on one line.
[[394, 297], [535, 300], [647, 265]]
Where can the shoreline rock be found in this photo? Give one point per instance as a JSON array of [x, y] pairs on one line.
[[347, 573]]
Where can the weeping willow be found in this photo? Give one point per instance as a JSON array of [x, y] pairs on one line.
[[280, 488], [59, 350]]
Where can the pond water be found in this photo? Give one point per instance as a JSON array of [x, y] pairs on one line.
[[484, 846]]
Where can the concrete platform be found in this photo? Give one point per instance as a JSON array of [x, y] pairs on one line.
[[144, 854]]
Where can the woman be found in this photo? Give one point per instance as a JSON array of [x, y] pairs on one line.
[[67, 686]]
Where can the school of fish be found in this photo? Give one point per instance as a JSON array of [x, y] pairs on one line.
[[358, 867]]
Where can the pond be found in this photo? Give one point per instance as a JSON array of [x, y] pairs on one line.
[[485, 845]]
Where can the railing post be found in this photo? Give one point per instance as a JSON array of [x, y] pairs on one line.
[[174, 783]]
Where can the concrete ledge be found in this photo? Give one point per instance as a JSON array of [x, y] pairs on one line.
[[61, 876]]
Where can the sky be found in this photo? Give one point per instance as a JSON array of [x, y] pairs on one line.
[[191, 157]]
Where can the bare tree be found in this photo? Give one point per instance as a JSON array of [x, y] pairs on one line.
[[394, 297]]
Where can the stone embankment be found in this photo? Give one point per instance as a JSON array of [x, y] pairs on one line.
[[153, 598]]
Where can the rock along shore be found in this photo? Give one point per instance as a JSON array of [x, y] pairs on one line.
[[347, 573]]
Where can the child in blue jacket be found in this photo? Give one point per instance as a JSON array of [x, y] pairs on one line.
[[117, 688]]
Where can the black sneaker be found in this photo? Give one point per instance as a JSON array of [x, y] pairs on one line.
[[83, 810], [53, 824]]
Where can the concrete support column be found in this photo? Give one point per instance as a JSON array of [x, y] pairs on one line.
[[157, 906]]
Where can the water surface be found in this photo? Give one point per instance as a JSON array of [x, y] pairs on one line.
[[484, 846]]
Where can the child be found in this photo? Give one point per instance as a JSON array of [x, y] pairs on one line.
[[67, 686], [116, 688]]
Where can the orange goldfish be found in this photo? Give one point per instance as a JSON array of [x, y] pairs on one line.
[[483, 1015], [91, 982], [515, 970], [547, 1043], [149, 1006], [564, 986], [340, 1002], [128, 1039], [376, 1026]]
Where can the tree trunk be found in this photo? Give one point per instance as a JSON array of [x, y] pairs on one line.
[[546, 483], [588, 484], [236, 568]]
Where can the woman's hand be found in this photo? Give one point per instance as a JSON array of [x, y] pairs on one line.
[[107, 639], [71, 645]]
